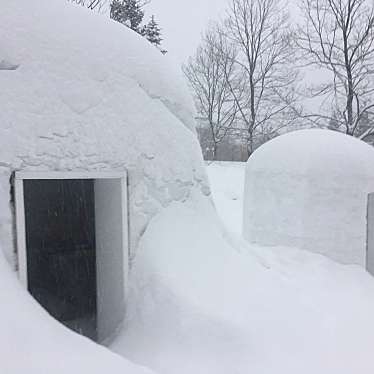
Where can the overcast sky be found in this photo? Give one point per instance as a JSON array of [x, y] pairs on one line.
[[183, 22]]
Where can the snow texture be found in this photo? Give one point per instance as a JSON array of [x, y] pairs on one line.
[[227, 184], [203, 302], [90, 94], [308, 189], [32, 342]]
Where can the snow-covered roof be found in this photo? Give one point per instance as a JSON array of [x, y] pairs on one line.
[[309, 189]]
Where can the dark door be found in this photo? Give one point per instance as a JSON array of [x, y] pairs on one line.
[[60, 244]]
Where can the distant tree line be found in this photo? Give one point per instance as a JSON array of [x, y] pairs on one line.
[[249, 73], [130, 13]]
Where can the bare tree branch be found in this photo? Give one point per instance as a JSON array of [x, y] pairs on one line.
[[338, 36], [260, 33], [210, 73]]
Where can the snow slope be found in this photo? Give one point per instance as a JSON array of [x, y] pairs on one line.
[[202, 302], [32, 342]]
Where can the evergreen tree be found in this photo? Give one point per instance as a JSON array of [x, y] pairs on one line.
[[127, 12], [130, 13], [152, 32]]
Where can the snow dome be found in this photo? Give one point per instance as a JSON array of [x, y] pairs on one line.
[[96, 99], [96, 129], [309, 189]]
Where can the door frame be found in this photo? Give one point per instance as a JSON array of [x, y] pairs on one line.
[[20, 176], [369, 259]]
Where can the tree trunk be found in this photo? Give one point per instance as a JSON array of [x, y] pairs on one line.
[[350, 93]]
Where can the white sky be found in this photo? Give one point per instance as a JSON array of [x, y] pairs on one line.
[[182, 23]]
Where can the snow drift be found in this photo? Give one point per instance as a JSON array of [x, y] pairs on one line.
[[32, 342], [202, 303], [308, 189]]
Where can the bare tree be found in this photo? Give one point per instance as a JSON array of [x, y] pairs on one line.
[[260, 33], [338, 36], [210, 73], [100, 6]]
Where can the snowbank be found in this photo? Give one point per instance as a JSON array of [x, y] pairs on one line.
[[308, 189], [90, 94], [201, 303], [32, 342]]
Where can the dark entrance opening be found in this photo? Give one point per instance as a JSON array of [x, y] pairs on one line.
[[61, 253]]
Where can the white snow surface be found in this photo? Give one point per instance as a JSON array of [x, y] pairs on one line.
[[201, 300], [204, 302], [90, 94], [227, 184], [308, 189], [32, 342]]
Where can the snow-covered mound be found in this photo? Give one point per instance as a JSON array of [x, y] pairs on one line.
[[81, 92], [203, 303], [309, 189]]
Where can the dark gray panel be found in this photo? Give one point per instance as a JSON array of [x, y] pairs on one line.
[[370, 235], [60, 246]]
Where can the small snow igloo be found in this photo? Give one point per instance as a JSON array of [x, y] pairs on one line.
[[309, 189], [96, 137]]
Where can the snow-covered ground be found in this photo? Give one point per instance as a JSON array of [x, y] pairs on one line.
[[201, 299], [227, 184], [31, 342], [204, 301]]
